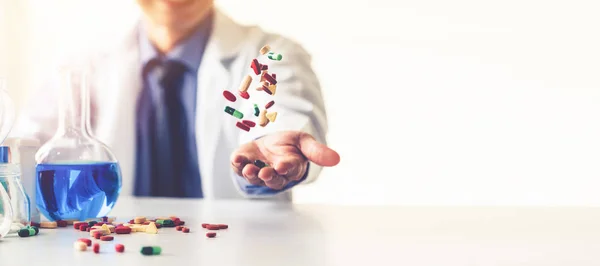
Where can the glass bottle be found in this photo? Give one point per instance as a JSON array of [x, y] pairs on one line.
[[7, 111], [6, 214], [78, 177], [10, 179]]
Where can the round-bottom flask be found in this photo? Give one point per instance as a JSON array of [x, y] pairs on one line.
[[78, 177]]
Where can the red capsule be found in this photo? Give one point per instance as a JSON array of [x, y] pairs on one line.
[[77, 225], [204, 225], [265, 89], [87, 241], [223, 226], [178, 228], [61, 223], [213, 227], [185, 230], [83, 227], [255, 66], [176, 221], [122, 230], [270, 78], [249, 123], [264, 67], [211, 234], [242, 126], [107, 238], [88, 229], [120, 248], [96, 248], [245, 95], [98, 235], [229, 96], [268, 105]]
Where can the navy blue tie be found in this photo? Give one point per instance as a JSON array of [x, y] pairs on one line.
[[166, 159]]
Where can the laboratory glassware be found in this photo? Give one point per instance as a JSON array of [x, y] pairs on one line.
[[6, 214], [7, 111], [10, 179], [78, 177]]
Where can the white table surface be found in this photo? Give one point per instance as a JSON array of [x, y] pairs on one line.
[[263, 233]]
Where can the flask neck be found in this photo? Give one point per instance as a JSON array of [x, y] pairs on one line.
[[74, 105]]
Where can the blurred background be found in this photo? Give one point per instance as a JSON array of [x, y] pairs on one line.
[[430, 102]]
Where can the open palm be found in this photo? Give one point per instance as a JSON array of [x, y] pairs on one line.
[[286, 154]]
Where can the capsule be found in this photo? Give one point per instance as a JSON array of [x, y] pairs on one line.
[[61, 223], [96, 248], [262, 119], [213, 227], [223, 226], [241, 125], [211, 234], [256, 110], [178, 228], [25, 232], [267, 90], [119, 248], [151, 250], [229, 96], [48, 225], [235, 113], [265, 49], [259, 164], [268, 105], [185, 230], [98, 234], [274, 56], [83, 227], [122, 230], [36, 229], [80, 246], [244, 94], [249, 123], [245, 83], [87, 241], [204, 225], [270, 78], [107, 238], [255, 66]]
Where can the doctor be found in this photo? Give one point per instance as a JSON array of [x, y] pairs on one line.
[[157, 103]]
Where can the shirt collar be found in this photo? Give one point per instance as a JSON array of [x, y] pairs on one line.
[[189, 51]]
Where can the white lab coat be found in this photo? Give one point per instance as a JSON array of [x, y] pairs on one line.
[[115, 85]]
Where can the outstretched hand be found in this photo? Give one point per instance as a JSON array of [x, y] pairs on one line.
[[286, 154]]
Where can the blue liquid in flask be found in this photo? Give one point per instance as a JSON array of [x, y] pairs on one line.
[[77, 191]]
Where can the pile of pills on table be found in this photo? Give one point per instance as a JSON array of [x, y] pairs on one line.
[[267, 84]]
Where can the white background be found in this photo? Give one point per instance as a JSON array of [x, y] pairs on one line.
[[430, 102]]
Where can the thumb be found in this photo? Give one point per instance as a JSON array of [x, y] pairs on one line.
[[317, 152]]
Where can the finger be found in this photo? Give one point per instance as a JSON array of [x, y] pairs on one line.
[[238, 160], [284, 167], [266, 174], [292, 169], [317, 152], [250, 172], [277, 182]]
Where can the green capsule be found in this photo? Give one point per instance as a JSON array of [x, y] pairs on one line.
[[237, 114], [161, 222], [274, 56], [256, 110], [151, 250]]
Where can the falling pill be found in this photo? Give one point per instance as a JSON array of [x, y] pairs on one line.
[[268, 105], [235, 113], [265, 49], [242, 126], [229, 96]]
